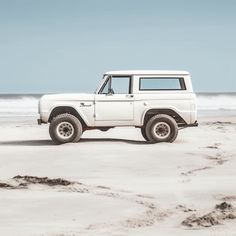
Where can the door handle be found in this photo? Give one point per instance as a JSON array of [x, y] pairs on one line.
[[129, 95]]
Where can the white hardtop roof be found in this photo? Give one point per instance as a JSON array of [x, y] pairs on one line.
[[147, 72]]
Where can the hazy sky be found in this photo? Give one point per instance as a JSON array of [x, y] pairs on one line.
[[66, 45]]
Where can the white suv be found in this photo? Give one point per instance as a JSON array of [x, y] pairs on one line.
[[157, 102]]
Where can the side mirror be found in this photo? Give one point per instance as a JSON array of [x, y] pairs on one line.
[[110, 91]]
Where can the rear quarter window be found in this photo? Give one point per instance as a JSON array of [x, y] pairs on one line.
[[161, 83]]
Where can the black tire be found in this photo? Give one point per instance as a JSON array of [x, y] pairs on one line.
[[143, 132], [65, 128], [161, 128]]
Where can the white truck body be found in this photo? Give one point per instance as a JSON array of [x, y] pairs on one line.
[[126, 109]]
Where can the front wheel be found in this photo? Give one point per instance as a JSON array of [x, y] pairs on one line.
[[161, 128], [65, 128]]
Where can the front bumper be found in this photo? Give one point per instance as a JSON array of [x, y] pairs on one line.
[[42, 118], [39, 121]]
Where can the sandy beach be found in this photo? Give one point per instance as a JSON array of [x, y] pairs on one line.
[[114, 183], [167, 67]]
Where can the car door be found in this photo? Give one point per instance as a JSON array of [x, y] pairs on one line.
[[114, 103]]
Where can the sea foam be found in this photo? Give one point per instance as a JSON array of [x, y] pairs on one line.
[[216, 101]]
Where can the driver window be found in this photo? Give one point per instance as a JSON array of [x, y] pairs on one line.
[[120, 84]]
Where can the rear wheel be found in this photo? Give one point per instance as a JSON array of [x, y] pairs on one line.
[[65, 128], [161, 128]]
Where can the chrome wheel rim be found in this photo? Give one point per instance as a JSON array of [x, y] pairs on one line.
[[161, 130], [65, 130]]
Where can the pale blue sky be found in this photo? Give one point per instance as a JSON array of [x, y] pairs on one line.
[[66, 45]]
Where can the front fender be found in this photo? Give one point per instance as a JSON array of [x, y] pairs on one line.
[[85, 114]]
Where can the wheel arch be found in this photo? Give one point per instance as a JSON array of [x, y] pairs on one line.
[[66, 109], [154, 111]]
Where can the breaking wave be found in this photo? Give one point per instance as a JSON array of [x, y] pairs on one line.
[[19, 105], [216, 101]]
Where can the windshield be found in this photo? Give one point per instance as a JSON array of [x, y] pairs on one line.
[[106, 85], [102, 83]]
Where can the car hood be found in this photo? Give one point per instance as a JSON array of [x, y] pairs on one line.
[[69, 97]]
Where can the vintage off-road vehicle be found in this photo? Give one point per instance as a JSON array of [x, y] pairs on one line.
[[157, 102]]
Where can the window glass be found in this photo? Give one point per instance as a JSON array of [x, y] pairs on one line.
[[120, 85], [161, 83]]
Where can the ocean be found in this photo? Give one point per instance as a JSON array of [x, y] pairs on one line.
[[26, 105]]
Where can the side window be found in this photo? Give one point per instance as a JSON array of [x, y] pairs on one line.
[[120, 84], [161, 83]]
